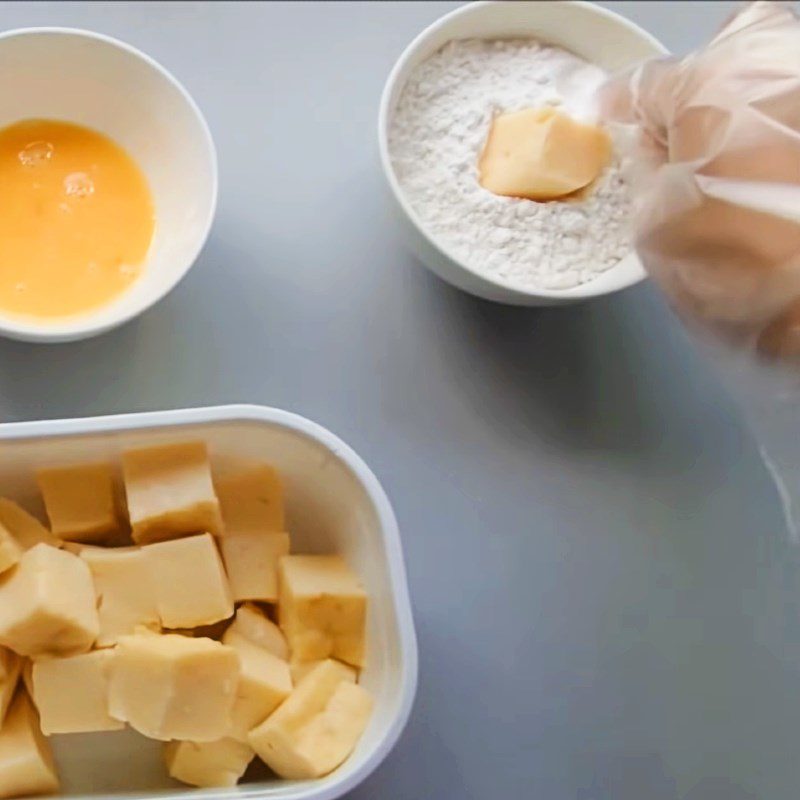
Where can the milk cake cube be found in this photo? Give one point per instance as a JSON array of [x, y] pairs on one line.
[[71, 693], [191, 587], [26, 761], [322, 608], [208, 764], [264, 684], [169, 492], [80, 502], [317, 726], [252, 623], [251, 500], [168, 686], [251, 561], [125, 588], [24, 527], [47, 604]]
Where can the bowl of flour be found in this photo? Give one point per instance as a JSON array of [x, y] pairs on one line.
[[490, 58]]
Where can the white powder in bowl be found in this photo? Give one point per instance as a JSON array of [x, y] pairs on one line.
[[436, 137]]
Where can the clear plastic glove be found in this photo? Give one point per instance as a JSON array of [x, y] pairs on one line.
[[718, 177], [717, 183]]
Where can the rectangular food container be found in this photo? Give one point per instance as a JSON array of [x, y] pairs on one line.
[[334, 503]]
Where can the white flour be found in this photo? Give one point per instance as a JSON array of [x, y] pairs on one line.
[[435, 140]]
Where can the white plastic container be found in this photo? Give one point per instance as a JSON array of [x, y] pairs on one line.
[[334, 504], [104, 84], [594, 33]]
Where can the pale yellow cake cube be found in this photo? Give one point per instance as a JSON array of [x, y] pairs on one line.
[[24, 527], [71, 693], [542, 154], [191, 587], [47, 604], [126, 590], [80, 502], [169, 492], [252, 623], [322, 608], [168, 686], [251, 561], [264, 684], [251, 501], [208, 764], [10, 671], [317, 727], [26, 762], [299, 669], [10, 549]]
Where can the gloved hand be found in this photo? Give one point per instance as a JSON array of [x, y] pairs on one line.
[[718, 183]]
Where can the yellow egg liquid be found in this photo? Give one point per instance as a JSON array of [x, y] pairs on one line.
[[76, 219]]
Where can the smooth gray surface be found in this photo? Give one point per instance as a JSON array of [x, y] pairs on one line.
[[605, 605]]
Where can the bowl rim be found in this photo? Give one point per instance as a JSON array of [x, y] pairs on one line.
[[82, 326], [580, 292], [112, 424]]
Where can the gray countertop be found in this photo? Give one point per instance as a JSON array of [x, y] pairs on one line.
[[605, 603]]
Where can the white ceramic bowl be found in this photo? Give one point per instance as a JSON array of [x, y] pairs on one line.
[[594, 33], [105, 84], [334, 504]]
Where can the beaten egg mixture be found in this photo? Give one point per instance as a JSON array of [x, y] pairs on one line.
[[76, 219]]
